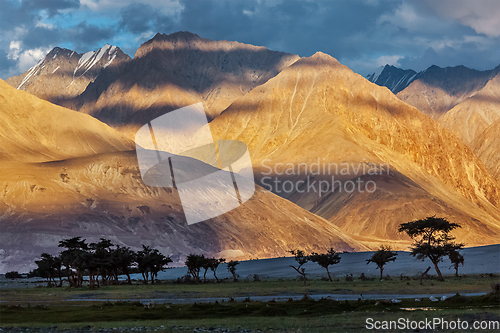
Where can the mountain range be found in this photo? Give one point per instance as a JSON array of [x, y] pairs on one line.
[[396, 79], [64, 74], [95, 190], [465, 101], [70, 169], [171, 71]]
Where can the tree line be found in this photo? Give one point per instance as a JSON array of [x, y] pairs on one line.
[[431, 239], [106, 261], [100, 259]]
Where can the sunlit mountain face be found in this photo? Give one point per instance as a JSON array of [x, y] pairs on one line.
[[338, 161]]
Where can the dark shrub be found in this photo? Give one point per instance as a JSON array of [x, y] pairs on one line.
[[13, 275]]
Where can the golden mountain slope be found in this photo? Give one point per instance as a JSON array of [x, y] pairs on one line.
[[36, 130], [318, 108], [101, 194], [471, 117], [487, 147], [104, 196]]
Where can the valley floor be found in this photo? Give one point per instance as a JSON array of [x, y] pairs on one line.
[[269, 297]]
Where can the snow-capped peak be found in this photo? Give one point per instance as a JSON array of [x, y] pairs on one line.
[[90, 59]]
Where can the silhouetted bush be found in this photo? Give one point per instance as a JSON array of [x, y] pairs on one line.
[[13, 275]]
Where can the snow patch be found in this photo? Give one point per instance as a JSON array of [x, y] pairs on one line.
[[111, 56], [89, 59], [33, 70], [84, 59], [411, 78], [55, 70], [99, 56], [377, 73]]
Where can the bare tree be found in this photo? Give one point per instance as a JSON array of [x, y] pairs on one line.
[[301, 259]]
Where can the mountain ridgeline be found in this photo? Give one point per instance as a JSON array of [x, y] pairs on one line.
[[396, 79], [64, 74], [173, 71]]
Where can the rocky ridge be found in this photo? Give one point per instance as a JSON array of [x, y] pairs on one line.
[[64, 74]]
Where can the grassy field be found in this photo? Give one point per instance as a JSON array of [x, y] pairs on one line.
[[292, 316], [272, 287], [20, 307]]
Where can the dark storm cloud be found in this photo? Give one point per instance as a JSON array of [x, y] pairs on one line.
[[42, 36], [51, 6], [139, 18], [362, 34], [302, 27], [11, 15], [87, 36], [83, 36]]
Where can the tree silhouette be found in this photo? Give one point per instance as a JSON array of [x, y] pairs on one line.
[[100, 261], [194, 263], [432, 239], [151, 261], [205, 264], [158, 263], [326, 259], [214, 263], [124, 257], [301, 259], [46, 268], [101, 258], [73, 258], [382, 257], [456, 259], [231, 267]]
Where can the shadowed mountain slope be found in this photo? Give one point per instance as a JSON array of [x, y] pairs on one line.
[[396, 79], [172, 71], [438, 90], [104, 196]]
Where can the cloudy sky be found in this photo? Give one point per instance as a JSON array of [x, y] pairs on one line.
[[362, 34]]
